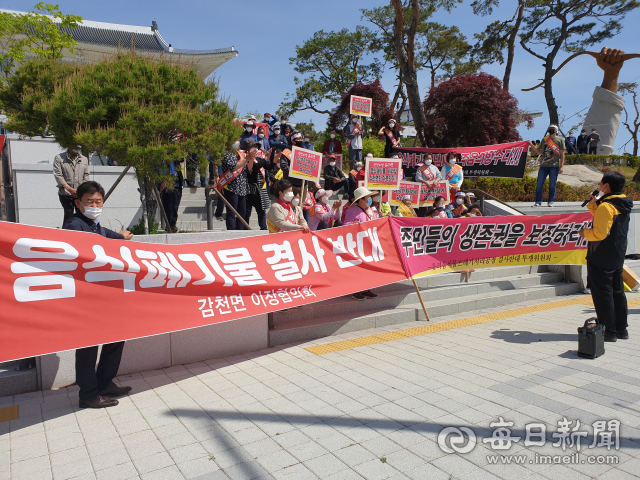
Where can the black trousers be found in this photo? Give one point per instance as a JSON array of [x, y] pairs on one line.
[[90, 380], [171, 204], [593, 150], [68, 206], [607, 291], [219, 207], [583, 150], [323, 225], [335, 186], [239, 205], [253, 201]]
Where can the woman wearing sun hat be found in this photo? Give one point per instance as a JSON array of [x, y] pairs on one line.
[[360, 212]]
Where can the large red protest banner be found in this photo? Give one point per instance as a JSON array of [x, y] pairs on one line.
[[428, 247], [362, 106], [507, 160], [61, 289]]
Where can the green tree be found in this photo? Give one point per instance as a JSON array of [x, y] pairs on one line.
[[571, 26], [310, 129], [409, 46], [142, 112], [31, 84], [632, 124], [498, 36], [334, 61], [42, 33]]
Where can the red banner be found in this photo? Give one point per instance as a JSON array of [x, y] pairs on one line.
[[305, 164], [507, 160], [360, 106], [429, 194], [61, 289], [446, 245]]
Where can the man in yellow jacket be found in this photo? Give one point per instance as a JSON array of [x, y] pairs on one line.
[[605, 255]]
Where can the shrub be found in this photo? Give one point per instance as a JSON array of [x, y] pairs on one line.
[[524, 190], [603, 160]]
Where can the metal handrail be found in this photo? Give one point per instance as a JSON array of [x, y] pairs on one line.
[[483, 193]]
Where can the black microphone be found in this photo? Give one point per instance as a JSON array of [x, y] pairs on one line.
[[595, 193]]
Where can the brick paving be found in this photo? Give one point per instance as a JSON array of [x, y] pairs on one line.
[[371, 412]]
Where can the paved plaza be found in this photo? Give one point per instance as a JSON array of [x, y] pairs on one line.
[[368, 405]]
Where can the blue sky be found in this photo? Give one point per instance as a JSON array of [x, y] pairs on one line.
[[266, 35]]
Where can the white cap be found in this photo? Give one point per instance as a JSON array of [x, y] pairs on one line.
[[369, 155]]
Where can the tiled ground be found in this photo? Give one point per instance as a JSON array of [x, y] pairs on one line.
[[370, 412]]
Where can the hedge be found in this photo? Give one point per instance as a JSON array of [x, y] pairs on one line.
[[524, 190], [603, 160]]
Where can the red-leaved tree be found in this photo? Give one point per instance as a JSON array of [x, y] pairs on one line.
[[472, 110], [382, 109]]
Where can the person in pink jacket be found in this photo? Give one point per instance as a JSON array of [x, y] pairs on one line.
[[360, 210], [321, 215]]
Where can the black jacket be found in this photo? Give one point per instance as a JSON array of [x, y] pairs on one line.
[[81, 223], [609, 253]]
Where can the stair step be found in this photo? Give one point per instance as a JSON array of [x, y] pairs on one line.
[[317, 327], [395, 295]]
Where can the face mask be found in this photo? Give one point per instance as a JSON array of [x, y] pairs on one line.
[[325, 199], [355, 120], [288, 196], [551, 131], [593, 131], [235, 146], [261, 135], [253, 150], [452, 161], [248, 129], [92, 212], [428, 162], [472, 215], [391, 125], [459, 201], [376, 199], [277, 132], [358, 169], [332, 136], [333, 164], [369, 201], [295, 202], [306, 140]]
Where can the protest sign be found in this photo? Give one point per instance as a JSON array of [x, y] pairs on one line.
[[382, 174], [305, 164], [406, 188], [506, 160], [428, 194], [361, 106]]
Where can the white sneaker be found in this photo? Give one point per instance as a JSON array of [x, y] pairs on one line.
[[537, 204], [550, 204]]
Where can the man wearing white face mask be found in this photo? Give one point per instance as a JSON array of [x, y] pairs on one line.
[[332, 145], [354, 141], [334, 177], [97, 389], [248, 133]]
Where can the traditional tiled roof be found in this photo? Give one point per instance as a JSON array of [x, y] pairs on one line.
[[115, 38], [116, 35]]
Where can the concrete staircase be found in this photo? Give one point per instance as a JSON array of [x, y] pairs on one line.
[[444, 294]]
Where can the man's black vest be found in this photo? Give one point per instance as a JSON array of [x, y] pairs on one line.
[[609, 253]]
